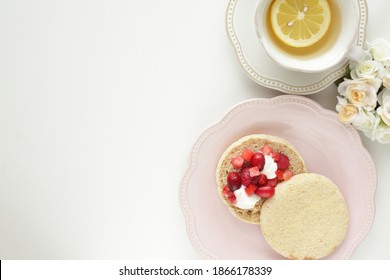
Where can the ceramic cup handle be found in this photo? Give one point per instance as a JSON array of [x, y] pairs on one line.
[[357, 54]]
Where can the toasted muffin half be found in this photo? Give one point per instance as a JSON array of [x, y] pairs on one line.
[[307, 218], [253, 142]]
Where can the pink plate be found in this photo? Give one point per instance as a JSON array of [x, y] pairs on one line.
[[328, 147]]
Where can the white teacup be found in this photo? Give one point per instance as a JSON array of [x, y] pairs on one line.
[[339, 45]]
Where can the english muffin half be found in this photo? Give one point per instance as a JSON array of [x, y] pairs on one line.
[[307, 218], [249, 170]]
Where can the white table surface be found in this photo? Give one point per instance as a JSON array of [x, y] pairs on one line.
[[100, 104]]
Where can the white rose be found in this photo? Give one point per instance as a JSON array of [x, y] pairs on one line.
[[382, 133], [383, 95], [366, 69], [370, 132], [384, 109], [361, 93], [366, 57], [364, 121], [386, 80], [380, 50], [346, 111]]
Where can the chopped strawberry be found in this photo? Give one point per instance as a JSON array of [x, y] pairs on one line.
[[266, 149], [247, 154], [254, 171], [266, 191], [250, 189], [263, 179], [246, 178], [279, 174], [287, 174], [255, 180], [276, 156], [283, 162], [229, 194], [273, 182], [232, 199], [237, 162], [246, 164], [226, 190]]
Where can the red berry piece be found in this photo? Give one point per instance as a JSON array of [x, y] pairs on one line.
[[255, 180], [229, 194], [234, 181], [266, 191], [254, 171], [232, 199], [287, 174], [273, 182], [226, 190], [237, 162], [246, 164], [266, 149], [263, 179], [246, 178], [250, 189], [258, 160], [283, 162], [279, 174], [276, 156], [247, 154]]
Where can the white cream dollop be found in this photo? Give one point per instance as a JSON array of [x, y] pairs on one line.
[[270, 167], [245, 201]]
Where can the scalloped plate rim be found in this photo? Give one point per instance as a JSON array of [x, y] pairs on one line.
[[189, 215]]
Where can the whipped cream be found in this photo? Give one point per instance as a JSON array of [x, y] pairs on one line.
[[245, 201], [270, 167]]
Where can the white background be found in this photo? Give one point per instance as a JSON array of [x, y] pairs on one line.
[[100, 104]]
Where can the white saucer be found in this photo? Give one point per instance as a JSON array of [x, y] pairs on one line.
[[261, 68]]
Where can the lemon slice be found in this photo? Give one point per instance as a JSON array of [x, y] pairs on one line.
[[300, 23]]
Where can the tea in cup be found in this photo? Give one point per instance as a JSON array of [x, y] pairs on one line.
[[309, 35]]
